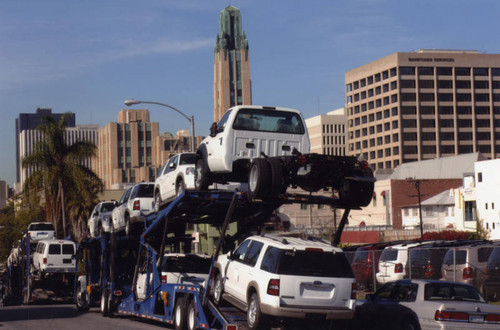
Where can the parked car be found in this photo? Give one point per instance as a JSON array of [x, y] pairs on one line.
[[365, 262], [40, 230], [491, 285], [426, 304], [467, 264], [100, 218], [425, 261], [53, 257], [392, 263], [136, 203], [276, 277], [176, 175]]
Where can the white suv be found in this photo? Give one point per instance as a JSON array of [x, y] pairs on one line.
[[54, 257], [392, 263], [286, 277], [135, 204], [175, 176], [100, 219], [40, 230], [244, 133]]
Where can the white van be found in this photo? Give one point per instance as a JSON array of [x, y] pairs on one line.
[[392, 263], [54, 257]]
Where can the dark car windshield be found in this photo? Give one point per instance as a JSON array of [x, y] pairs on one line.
[[311, 263], [41, 226], [186, 264], [451, 291]]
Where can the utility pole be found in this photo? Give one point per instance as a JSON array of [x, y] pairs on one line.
[[417, 186]]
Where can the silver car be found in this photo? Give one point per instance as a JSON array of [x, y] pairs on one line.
[[426, 304], [100, 219]]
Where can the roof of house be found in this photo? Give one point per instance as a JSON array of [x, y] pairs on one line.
[[443, 198], [452, 167]]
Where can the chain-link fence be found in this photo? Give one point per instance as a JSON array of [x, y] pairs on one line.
[[375, 265]]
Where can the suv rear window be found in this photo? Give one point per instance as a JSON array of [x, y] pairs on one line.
[[310, 263], [389, 255], [360, 255], [460, 257], [145, 190], [188, 159], [107, 207], [41, 226]]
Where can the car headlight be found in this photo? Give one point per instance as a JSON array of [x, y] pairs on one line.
[[106, 218]]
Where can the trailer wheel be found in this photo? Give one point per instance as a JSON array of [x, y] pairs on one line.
[[191, 316], [180, 314], [128, 228], [157, 201], [201, 181], [111, 305], [254, 315], [104, 302], [258, 179], [277, 179]]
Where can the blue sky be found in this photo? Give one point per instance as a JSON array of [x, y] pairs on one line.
[[88, 56]]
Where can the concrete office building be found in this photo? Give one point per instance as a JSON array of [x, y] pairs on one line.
[[126, 152], [232, 85], [425, 104], [327, 133], [30, 121]]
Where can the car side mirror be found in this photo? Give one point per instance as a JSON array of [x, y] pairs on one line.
[[213, 129], [96, 213], [172, 166], [231, 255]]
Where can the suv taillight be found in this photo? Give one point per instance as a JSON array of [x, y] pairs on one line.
[[468, 273], [354, 291], [44, 261], [398, 268], [137, 205], [451, 316], [273, 288], [164, 279]]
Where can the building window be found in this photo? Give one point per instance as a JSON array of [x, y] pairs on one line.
[[394, 85], [377, 77], [445, 84], [462, 71], [395, 137], [481, 84], [426, 83], [303, 206], [426, 97], [465, 84], [395, 151], [425, 71], [406, 71], [410, 97], [479, 177], [444, 71], [385, 75], [480, 71], [370, 80], [470, 210]]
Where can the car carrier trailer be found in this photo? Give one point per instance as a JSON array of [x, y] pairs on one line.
[[187, 306]]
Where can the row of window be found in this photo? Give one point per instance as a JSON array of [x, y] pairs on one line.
[[447, 71], [372, 105], [445, 149], [371, 117], [446, 84], [448, 110], [486, 123], [333, 128], [379, 128], [334, 151], [448, 97], [371, 79], [334, 140], [379, 141]]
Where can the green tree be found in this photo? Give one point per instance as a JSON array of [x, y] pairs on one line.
[[60, 176]]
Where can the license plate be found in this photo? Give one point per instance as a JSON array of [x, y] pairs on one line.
[[474, 318]]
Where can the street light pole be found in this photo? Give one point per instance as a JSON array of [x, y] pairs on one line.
[[191, 119]]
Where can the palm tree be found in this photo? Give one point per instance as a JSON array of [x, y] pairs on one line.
[[58, 172]]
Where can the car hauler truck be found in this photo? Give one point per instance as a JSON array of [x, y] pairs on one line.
[[184, 305]]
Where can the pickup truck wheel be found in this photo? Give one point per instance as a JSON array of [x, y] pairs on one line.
[[104, 302], [254, 315], [191, 316], [201, 181], [277, 179], [258, 179], [218, 289], [180, 314]]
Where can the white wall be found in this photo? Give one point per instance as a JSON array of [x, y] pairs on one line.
[[488, 195]]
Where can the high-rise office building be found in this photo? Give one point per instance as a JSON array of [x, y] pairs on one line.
[[422, 105], [29, 137], [232, 85], [327, 133], [30, 121], [127, 149]]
